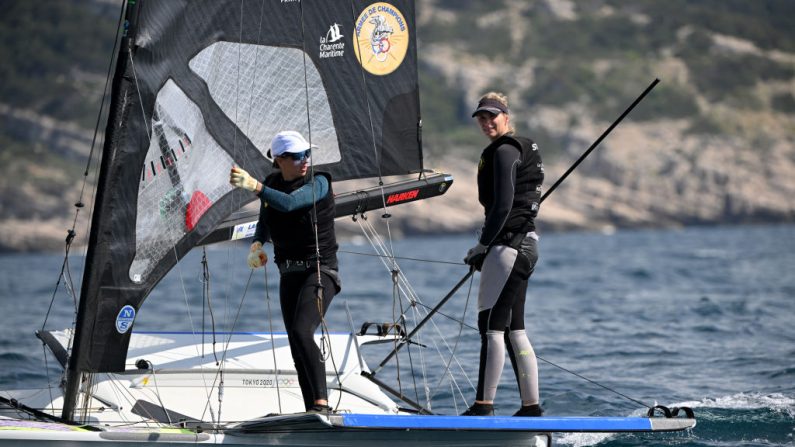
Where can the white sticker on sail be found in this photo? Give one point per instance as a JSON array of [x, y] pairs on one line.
[[245, 230]]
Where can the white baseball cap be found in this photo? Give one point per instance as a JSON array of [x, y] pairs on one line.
[[288, 141]]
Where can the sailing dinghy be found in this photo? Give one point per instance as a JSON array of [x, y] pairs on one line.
[[200, 86]]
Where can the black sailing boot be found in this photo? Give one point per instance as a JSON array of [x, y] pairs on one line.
[[320, 409], [530, 410], [479, 410]]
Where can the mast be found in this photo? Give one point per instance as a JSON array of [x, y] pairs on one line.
[[89, 287]]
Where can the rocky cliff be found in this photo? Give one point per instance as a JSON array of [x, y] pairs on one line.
[[714, 142]]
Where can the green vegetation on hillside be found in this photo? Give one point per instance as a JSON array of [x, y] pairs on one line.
[[55, 56], [607, 51]]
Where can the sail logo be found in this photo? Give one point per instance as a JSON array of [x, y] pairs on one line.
[[403, 196], [330, 45], [382, 38], [125, 319], [333, 34]]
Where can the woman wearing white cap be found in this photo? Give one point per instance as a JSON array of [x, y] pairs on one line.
[[510, 174], [297, 215]]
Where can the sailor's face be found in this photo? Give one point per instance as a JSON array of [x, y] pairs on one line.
[[493, 126], [292, 169]]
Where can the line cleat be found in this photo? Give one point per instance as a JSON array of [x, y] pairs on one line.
[[479, 410], [530, 411]]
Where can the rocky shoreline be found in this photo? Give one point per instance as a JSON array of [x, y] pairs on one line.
[[644, 176]]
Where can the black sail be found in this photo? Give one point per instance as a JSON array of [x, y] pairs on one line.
[[204, 85]]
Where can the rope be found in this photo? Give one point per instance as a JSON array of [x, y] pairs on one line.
[[225, 350], [375, 241], [364, 223], [385, 214], [457, 340], [593, 382], [206, 293], [325, 337], [433, 261], [65, 272], [273, 343]]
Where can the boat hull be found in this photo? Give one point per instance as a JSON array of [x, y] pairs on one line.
[[293, 431], [342, 429]]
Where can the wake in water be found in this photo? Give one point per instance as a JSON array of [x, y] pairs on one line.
[[744, 419]]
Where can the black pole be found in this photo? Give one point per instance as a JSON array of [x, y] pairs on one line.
[[74, 373], [420, 409], [599, 140], [422, 323], [571, 169]]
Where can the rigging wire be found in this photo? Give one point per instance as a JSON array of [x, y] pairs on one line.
[[419, 303], [273, 343], [377, 243], [433, 261], [206, 291], [390, 252], [190, 318], [325, 337], [385, 214], [455, 346], [219, 372], [65, 272], [140, 98]]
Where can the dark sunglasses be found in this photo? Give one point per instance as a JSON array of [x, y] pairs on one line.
[[297, 156]]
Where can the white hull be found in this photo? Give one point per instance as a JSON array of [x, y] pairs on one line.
[[310, 435], [253, 380], [186, 399]]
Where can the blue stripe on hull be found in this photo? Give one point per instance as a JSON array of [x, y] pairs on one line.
[[539, 424]]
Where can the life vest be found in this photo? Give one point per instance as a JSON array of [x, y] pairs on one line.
[[527, 189], [293, 234]]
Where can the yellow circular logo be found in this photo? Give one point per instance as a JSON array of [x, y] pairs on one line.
[[382, 38]]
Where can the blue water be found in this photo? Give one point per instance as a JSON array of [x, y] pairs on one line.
[[703, 317]]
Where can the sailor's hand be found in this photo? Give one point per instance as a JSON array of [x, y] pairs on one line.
[[476, 255], [241, 179], [256, 256]]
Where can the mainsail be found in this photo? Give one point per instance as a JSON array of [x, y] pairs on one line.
[[204, 85]]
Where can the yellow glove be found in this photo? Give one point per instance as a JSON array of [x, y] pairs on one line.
[[256, 256], [241, 179]]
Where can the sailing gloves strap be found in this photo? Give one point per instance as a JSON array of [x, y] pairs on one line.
[[241, 179], [476, 255], [256, 255]]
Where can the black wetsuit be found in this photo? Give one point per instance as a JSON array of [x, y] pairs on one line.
[[295, 252], [509, 188]]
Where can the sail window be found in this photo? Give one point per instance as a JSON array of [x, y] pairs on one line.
[[177, 186], [266, 89]]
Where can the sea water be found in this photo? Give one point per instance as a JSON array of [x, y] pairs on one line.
[[700, 317]]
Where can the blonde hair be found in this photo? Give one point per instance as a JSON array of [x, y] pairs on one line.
[[502, 99]]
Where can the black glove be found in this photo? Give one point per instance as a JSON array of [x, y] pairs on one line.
[[476, 255]]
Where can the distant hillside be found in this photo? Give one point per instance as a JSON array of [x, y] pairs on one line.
[[720, 62], [713, 143]]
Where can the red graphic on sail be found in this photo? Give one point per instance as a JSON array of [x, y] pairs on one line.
[[198, 205]]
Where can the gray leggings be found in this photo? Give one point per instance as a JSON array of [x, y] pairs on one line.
[[501, 299]]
